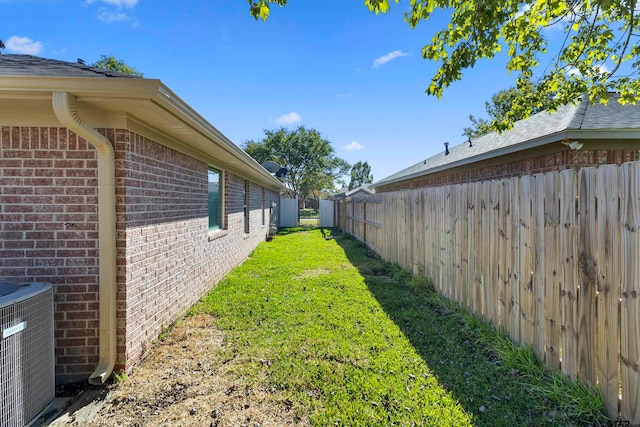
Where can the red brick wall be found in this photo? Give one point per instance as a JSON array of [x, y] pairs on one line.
[[510, 168], [166, 257], [49, 232]]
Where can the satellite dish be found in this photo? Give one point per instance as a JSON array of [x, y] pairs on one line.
[[272, 167]]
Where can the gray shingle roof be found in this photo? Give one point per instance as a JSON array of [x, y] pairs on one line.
[[539, 127], [28, 65]]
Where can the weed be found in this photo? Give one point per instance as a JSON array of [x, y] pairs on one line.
[[119, 377]]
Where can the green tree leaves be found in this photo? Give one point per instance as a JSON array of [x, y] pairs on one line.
[[599, 51], [502, 105], [360, 175], [310, 159], [112, 63]]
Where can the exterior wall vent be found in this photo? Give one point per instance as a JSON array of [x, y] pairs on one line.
[[27, 365]]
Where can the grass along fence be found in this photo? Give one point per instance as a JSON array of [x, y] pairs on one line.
[[553, 259]]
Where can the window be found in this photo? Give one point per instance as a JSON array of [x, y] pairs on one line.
[[247, 207], [215, 199], [263, 197]]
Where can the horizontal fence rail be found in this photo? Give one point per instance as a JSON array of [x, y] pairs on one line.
[[553, 259]]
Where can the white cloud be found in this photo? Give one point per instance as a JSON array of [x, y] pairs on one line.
[[523, 10], [575, 72], [110, 17], [118, 3], [288, 119], [355, 145], [23, 45], [113, 11], [388, 57]]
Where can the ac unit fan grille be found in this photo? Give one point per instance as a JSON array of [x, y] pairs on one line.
[[27, 370]]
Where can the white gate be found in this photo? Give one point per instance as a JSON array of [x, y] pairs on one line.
[[326, 213], [288, 212]]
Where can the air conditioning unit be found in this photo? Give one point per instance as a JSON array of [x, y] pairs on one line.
[[27, 369]]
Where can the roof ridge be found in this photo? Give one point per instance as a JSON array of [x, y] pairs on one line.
[[579, 114]]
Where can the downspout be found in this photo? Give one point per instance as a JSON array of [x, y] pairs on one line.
[[65, 110]]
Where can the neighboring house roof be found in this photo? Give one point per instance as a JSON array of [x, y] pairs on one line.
[[569, 122], [340, 194], [345, 192], [28, 65], [362, 189], [108, 99]]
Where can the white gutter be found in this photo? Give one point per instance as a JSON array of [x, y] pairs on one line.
[[168, 100], [65, 110]]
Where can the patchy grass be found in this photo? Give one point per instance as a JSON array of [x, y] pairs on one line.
[[309, 213], [347, 339], [309, 221]]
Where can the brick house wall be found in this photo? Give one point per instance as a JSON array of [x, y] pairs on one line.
[[505, 168], [49, 232], [166, 257]]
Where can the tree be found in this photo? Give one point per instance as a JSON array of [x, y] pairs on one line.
[[360, 175], [600, 52], [501, 104], [310, 159], [112, 63]]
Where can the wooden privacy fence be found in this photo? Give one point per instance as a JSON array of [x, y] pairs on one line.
[[553, 259]]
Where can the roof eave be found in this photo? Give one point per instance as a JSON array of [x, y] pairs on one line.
[[133, 91], [567, 134], [82, 86], [547, 139], [169, 100]]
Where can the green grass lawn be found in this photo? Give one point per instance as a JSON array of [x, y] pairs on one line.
[[353, 341]]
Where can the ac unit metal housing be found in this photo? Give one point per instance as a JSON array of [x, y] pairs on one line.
[[27, 364]]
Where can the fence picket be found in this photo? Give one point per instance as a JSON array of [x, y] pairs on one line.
[[485, 296], [552, 259], [471, 246], [525, 277], [569, 291], [587, 278], [505, 255], [462, 245], [539, 267], [630, 305], [514, 283], [478, 247], [553, 276], [608, 276], [492, 259]]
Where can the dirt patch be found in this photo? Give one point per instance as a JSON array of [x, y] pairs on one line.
[[188, 380]]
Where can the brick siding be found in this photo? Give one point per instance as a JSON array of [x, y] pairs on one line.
[[49, 232], [512, 168], [166, 257]]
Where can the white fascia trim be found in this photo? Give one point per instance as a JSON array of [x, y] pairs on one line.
[[172, 102]]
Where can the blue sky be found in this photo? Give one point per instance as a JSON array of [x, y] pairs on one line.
[[357, 78]]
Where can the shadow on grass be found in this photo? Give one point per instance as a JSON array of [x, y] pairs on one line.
[[474, 376]]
